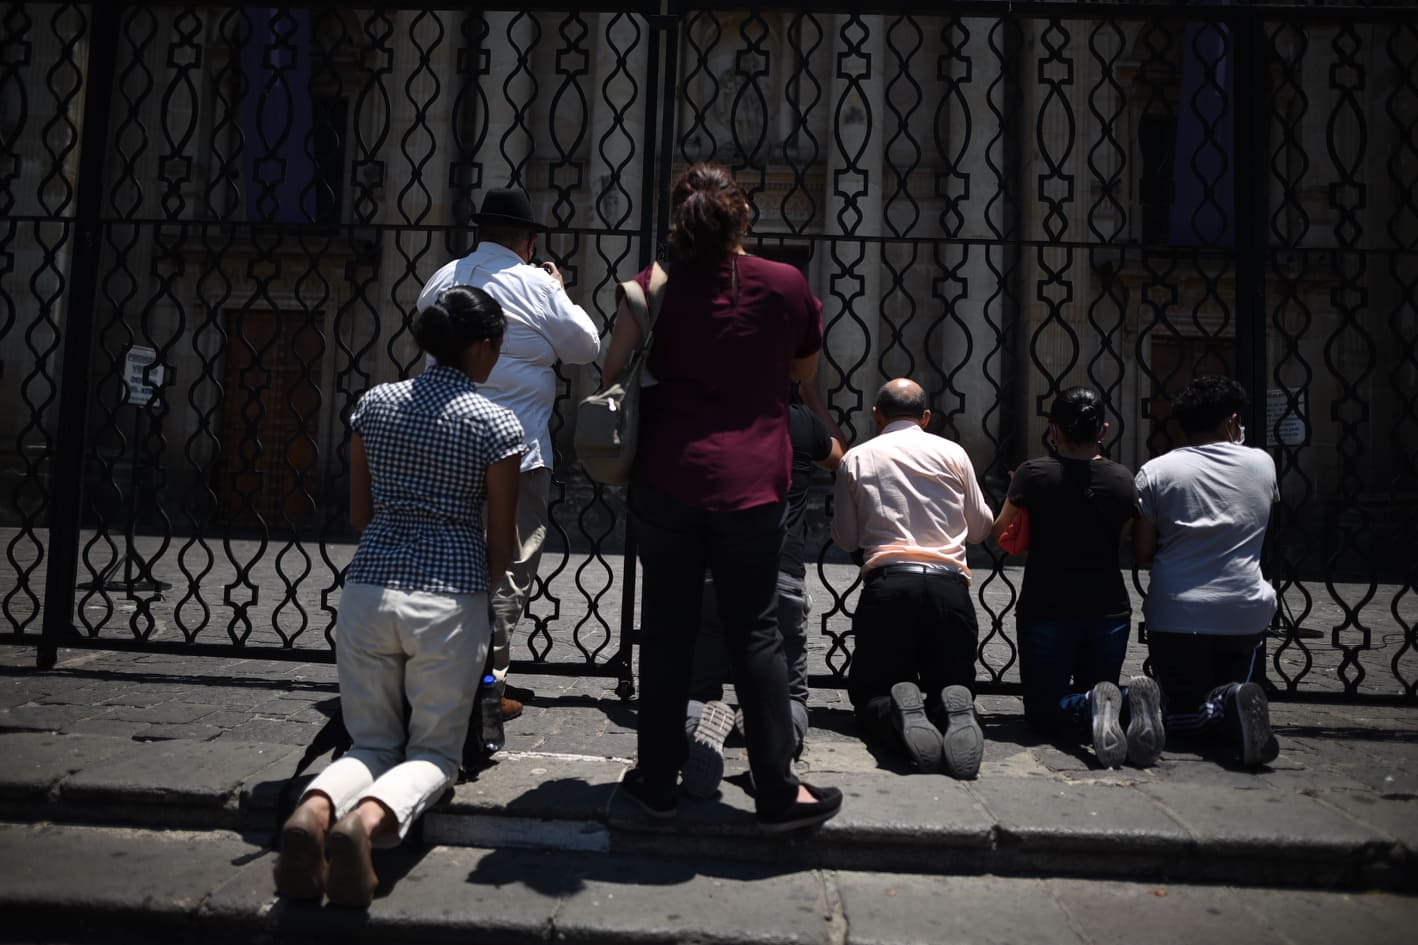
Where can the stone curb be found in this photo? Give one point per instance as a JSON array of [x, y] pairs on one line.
[[60, 884], [918, 824]]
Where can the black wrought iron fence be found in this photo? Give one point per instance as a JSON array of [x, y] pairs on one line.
[[215, 218]]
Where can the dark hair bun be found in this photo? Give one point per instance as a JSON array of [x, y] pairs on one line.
[[1078, 413], [460, 317], [708, 214]]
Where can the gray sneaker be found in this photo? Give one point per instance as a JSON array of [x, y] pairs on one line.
[[1110, 744], [1252, 713], [704, 768], [1145, 735], [908, 717], [964, 741]]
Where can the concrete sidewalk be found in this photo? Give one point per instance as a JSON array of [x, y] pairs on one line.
[[140, 754]]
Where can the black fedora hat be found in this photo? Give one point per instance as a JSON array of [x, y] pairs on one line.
[[507, 207]]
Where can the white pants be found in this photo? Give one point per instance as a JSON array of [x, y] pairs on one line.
[[391, 646]]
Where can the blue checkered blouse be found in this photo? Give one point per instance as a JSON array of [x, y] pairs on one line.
[[429, 441]]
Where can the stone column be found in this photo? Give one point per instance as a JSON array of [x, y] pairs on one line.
[[1053, 188], [509, 91], [971, 293], [614, 155], [848, 272], [415, 177]]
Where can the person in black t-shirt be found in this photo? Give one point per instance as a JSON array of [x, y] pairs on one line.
[[708, 720], [1074, 612]]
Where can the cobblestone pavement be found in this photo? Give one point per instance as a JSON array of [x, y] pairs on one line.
[[132, 757], [279, 594]]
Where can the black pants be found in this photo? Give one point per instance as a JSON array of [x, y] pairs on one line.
[[677, 543], [911, 627], [1198, 670]]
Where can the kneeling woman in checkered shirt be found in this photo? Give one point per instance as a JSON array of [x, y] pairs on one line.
[[426, 457]]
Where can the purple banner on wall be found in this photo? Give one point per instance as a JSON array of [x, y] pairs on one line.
[[278, 166]]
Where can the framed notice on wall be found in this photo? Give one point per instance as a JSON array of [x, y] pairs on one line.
[[141, 374], [1293, 421]]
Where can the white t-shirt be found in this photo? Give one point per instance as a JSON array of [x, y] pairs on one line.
[[543, 327], [1211, 505]]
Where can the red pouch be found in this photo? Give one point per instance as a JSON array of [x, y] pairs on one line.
[[1015, 538]]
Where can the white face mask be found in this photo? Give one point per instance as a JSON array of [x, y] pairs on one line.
[[1240, 436]]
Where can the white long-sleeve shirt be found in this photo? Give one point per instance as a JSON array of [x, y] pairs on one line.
[[909, 497], [543, 327]]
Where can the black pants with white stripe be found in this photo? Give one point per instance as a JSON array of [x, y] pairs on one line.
[[1197, 671]]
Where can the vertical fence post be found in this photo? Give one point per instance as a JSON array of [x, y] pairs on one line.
[[654, 164], [1251, 182], [71, 430], [669, 20]]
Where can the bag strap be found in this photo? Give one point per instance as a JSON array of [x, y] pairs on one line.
[[659, 278], [633, 296], [646, 310]]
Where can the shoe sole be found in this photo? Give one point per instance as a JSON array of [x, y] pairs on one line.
[[1110, 745], [964, 742], [704, 766], [1145, 734], [1258, 744], [351, 881], [908, 714], [300, 867]]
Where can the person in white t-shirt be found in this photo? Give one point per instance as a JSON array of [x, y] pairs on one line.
[[543, 327], [1205, 508]]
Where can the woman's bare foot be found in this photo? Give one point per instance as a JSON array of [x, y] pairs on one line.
[[300, 867]]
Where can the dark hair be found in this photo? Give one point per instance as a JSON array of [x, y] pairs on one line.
[[708, 214], [459, 318], [1206, 401], [1078, 413], [896, 406]]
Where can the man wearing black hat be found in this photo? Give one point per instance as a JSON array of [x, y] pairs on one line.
[[543, 327]]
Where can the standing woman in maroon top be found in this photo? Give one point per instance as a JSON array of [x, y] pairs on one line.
[[709, 487]]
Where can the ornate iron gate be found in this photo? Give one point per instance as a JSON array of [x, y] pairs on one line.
[[214, 219]]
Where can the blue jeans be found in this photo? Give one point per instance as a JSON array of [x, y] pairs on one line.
[[1060, 660]]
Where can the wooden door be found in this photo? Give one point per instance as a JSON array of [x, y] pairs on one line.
[[271, 419]]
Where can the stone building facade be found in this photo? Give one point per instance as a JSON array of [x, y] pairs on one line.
[[998, 206]]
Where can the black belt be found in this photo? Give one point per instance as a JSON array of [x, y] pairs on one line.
[[927, 569]]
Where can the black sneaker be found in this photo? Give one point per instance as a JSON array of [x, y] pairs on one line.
[[964, 741], [908, 717], [659, 804], [1110, 744], [1251, 711], [824, 806], [704, 766], [1145, 735]]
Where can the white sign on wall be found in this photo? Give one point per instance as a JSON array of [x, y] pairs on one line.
[[140, 377], [1294, 422]]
